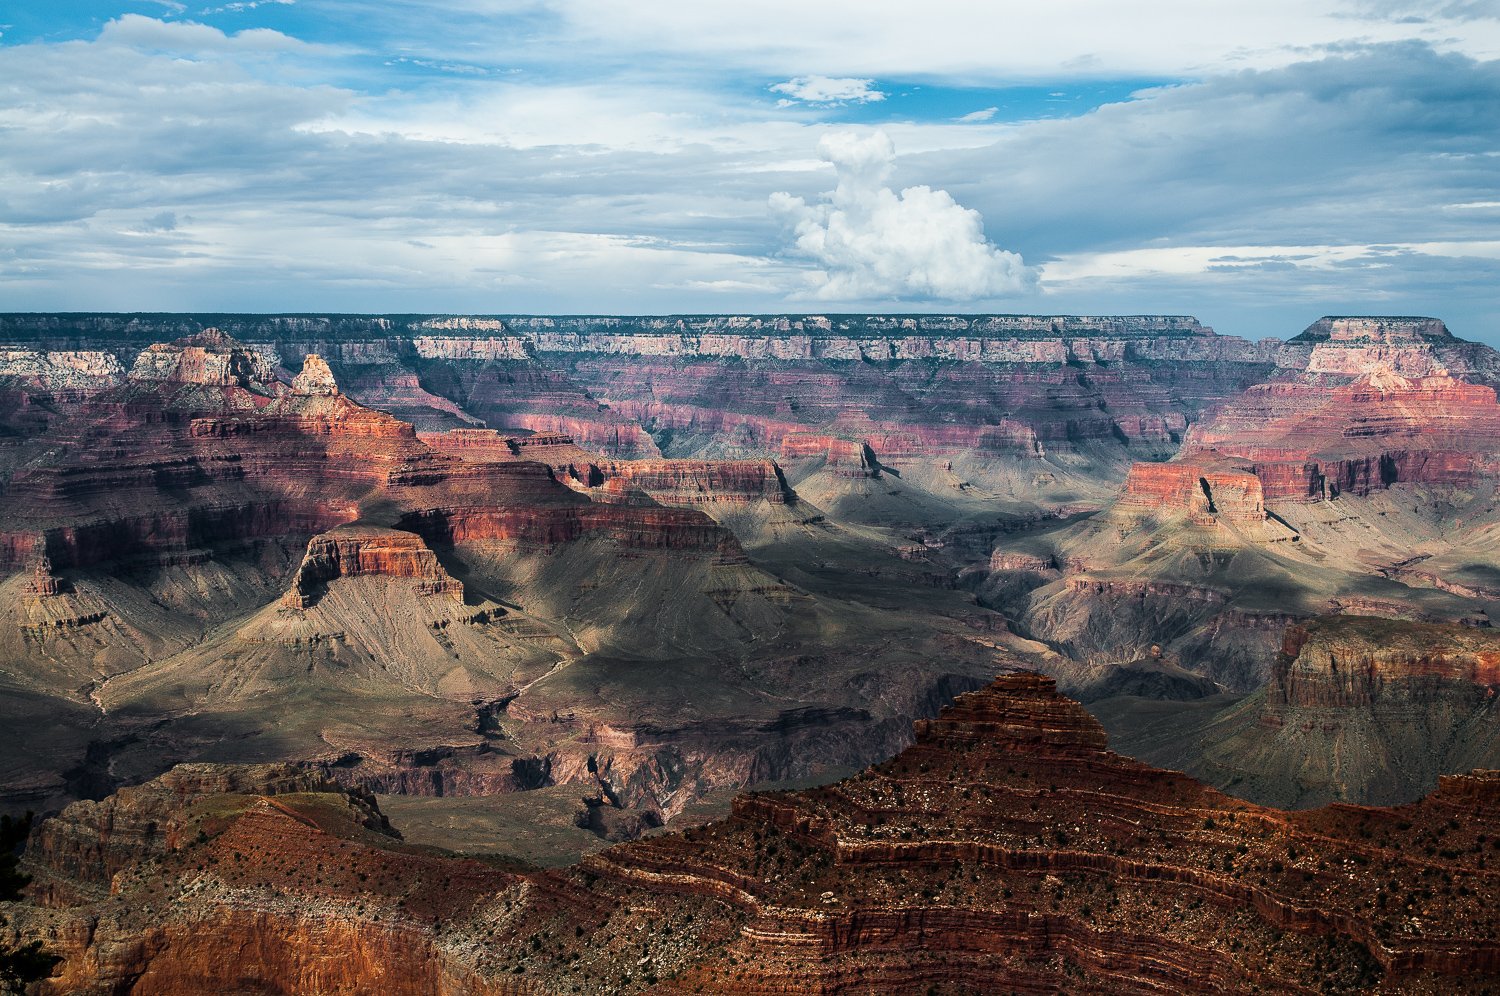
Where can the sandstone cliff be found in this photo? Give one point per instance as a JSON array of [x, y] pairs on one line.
[[686, 483], [1363, 710]]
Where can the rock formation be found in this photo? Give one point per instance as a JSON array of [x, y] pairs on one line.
[[1310, 443], [1337, 349], [432, 624], [1357, 478], [661, 556], [1362, 710], [353, 552], [1006, 850], [1210, 490], [315, 377], [684, 483]]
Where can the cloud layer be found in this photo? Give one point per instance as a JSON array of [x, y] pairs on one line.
[[266, 160], [873, 244]]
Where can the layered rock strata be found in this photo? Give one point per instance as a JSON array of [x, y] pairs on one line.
[[904, 391], [1006, 850], [1338, 349], [1356, 478], [354, 552], [74, 857], [256, 458], [1209, 490], [1363, 710], [1309, 443], [670, 482]]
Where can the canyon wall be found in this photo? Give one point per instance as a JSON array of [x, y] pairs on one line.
[[911, 391], [1006, 850], [1363, 710]]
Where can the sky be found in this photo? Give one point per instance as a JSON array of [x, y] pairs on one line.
[[1255, 164]]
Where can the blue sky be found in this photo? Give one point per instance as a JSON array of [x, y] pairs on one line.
[[1254, 164]]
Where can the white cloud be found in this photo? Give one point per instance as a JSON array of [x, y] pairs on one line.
[[1009, 39], [248, 5], [1188, 260], [139, 31], [873, 244], [983, 115], [573, 189], [823, 90]]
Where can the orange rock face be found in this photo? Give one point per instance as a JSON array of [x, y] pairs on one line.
[[1206, 489]]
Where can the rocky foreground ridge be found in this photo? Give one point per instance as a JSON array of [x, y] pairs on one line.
[[1006, 850]]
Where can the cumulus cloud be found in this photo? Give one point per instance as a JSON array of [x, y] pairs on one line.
[[874, 244], [823, 90], [139, 31]]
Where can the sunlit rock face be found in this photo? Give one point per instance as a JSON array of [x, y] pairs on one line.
[[316, 377], [1308, 443], [1362, 403], [210, 358], [1335, 349]]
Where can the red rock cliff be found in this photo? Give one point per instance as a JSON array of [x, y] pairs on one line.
[[353, 551]]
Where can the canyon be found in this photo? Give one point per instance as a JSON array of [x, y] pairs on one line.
[[1006, 849], [1358, 477], [652, 560], [522, 654], [1359, 709]]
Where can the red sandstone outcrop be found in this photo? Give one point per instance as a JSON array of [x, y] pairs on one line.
[[75, 856], [1209, 488], [43, 583], [354, 551], [671, 482], [1390, 414], [1023, 711], [844, 457]]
